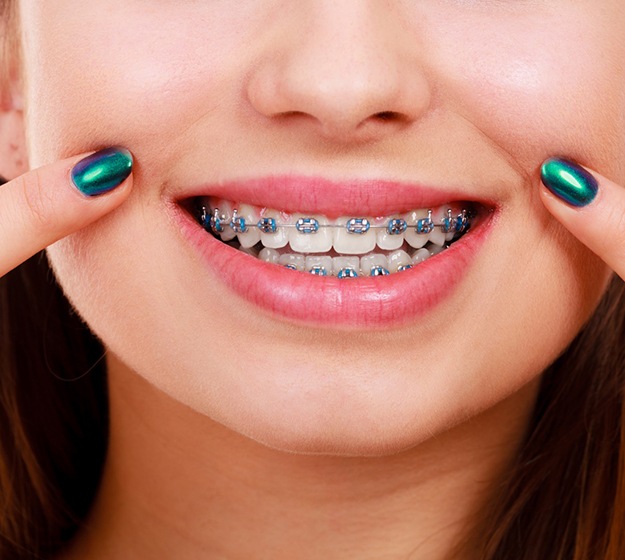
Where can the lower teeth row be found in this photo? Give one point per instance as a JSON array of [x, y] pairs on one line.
[[374, 264]]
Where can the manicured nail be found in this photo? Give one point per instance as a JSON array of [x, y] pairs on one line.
[[569, 182], [101, 172]]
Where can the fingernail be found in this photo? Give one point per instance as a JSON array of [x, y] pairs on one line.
[[569, 182], [102, 171]]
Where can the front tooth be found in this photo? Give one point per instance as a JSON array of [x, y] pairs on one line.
[[414, 239], [420, 255], [318, 242], [269, 255], [280, 237], [369, 261], [397, 259], [290, 260], [353, 243], [225, 209], [339, 263], [387, 241], [320, 262], [252, 233]]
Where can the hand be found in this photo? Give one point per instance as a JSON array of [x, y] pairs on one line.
[[590, 206], [46, 204]]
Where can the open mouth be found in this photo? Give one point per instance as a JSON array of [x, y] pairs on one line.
[[345, 247]]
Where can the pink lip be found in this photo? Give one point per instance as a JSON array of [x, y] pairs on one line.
[[332, 198], [362, 303]]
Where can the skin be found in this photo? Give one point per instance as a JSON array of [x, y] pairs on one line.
[[355, 454]]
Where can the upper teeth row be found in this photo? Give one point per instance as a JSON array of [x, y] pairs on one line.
[[318, 234], [216, 222]]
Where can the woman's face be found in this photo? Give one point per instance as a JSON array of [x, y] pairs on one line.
[[353, 108]]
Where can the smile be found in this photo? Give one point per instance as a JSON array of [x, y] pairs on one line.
[[346, 247], [354, 254]]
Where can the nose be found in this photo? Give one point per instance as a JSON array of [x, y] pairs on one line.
[[348, 69]]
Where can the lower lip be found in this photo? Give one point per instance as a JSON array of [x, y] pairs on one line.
[[360, 303]]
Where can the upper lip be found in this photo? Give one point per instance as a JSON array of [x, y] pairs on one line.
[[332, 198]]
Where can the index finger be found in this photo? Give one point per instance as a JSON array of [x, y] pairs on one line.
[[46, 204], [590, 206]]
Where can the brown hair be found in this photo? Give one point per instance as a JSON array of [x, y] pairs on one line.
[[564, 499], [53, 414]]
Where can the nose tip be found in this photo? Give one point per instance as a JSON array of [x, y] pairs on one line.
[[339, 107], [345, 80]]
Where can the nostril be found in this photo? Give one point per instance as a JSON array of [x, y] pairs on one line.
[[387, 116]]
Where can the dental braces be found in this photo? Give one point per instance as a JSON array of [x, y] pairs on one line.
[[216, 222], [351, 271]]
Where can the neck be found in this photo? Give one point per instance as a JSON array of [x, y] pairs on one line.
[[177, 481]]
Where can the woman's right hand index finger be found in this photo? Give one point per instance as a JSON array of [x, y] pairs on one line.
[[46, 204]]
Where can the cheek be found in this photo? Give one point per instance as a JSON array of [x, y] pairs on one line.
[[154, 75], [544, 84]]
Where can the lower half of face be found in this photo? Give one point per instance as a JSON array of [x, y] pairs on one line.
[[365, 121]]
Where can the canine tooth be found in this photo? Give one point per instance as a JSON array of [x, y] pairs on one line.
[[420, 255], [414, 239], [313, 261], [318, 242], [291, 260], [397, 259], [353, 243], [369, 261], [252, 233], [387, 241], [278, 239], [339, 263], [449, 236], [269, 255]]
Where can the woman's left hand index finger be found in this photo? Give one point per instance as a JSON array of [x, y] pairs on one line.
[[590, 206]]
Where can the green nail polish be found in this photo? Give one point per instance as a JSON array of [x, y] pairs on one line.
[[102, 171], [569, 182]]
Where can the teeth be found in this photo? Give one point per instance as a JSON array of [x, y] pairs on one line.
[[436, 249], [370, 261], [439, 235], [420, 255], [388, 241], [306, 242], [414, 239], [398, 259], [269, 255], [319, 264], [342, 263], [251, 236], [278, 239], [318, 242], [350, 243], [226, 212], [296, 262]]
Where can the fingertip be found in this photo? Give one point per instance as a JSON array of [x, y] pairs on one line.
[[103, 171], [569, 182]]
